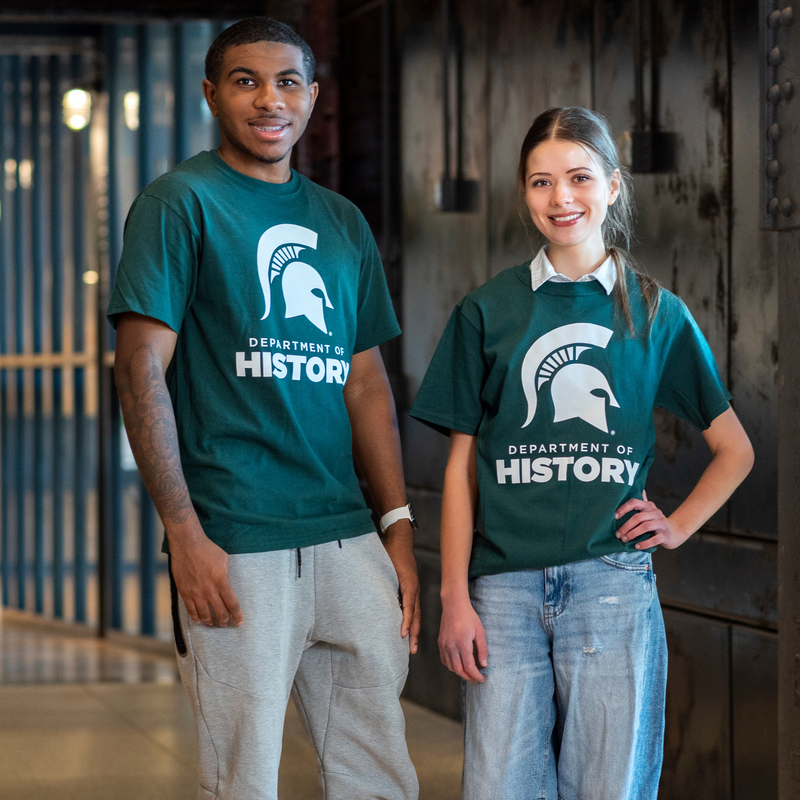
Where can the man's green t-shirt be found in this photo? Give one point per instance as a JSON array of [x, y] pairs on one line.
[[271, 288], [560, 396]]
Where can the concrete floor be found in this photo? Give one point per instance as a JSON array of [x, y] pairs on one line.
[[83, 719]]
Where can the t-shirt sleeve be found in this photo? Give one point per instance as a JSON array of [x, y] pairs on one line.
[[376, 321], [450, 395], [690, 385], [157, 273]]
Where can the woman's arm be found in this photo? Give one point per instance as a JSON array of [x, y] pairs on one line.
[[731, 460], [461, 631]]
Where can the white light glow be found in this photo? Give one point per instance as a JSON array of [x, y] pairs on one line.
[[130, 104], [77, 98], [25, 173], [11, 174], [77, 104], [90, 277]]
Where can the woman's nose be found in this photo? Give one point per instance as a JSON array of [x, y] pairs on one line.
[[562, 193]]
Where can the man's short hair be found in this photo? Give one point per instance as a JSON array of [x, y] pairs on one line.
[[250, 31]]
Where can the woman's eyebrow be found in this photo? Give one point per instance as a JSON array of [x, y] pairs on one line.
[[548, 175]]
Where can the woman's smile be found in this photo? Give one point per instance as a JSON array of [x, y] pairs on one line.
[[566, 220]]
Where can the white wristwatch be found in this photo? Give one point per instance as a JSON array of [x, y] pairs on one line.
[[404, 512]]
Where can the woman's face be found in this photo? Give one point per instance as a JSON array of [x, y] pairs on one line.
[[568, 194]]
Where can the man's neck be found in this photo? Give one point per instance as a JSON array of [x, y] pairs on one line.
[[278, 172]]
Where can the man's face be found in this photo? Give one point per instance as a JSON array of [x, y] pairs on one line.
[[262, 100]]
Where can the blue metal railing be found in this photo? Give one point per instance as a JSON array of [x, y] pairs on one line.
[[80, 476], [56, 336], [17, 76], [37, 321], [66, 552], [5, 461]]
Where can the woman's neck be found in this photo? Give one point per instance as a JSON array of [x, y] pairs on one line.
[[576, 260]]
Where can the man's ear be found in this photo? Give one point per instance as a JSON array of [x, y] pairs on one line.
[[210, 93], [313, 89]]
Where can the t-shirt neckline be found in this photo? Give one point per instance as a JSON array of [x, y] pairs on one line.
[[263, 187]]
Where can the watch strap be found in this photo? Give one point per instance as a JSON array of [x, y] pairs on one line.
[[396, 514]]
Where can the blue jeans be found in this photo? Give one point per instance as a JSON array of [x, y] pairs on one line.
[[573, 703]]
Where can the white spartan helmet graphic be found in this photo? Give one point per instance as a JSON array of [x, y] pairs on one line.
[[554, 357], [303, 288]]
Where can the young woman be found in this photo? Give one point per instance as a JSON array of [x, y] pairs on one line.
[[546, 379]]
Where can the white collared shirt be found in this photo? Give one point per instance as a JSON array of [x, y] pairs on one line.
[[542, 271]]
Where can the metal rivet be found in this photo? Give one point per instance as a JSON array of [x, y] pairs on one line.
[[775, 56], [774, 94], [774, 206], [787, 207], [787, 18], [774, 19], [788, 90], [774, 132], [773, 169]]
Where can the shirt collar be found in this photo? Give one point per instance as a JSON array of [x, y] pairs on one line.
[[542, 271]]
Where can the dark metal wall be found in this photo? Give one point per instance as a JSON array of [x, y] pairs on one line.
[[684, 75]]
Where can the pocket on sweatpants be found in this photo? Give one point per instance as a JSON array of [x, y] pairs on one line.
[[384, 562], [177, 631]]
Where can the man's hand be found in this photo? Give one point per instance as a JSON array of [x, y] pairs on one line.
[[399, 546], [200, 570]]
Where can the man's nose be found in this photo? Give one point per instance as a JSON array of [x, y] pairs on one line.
[[269, 97]]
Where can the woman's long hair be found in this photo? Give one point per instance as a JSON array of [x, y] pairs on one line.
[[592, 131]]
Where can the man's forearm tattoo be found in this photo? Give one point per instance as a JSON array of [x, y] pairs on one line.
[[150, 421]]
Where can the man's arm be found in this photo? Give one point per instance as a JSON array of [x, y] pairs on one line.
[[144, 349], [376, 448]]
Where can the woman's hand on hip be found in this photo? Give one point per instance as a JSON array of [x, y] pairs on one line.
[[461, 638], [649, 519]]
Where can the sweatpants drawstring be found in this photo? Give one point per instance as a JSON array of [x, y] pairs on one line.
[[300, 560]]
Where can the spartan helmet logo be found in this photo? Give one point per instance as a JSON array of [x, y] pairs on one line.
[[304, 290], [554, 357]]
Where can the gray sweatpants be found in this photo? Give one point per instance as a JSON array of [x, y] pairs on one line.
[[328, 632]]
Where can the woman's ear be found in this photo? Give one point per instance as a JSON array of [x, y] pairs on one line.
[[614, 184]]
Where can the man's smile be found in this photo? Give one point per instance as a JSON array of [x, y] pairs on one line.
[[269, 128]]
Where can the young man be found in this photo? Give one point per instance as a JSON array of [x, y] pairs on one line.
[[249, 307]]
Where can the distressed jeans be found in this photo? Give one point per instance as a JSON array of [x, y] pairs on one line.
[[573, 703]]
